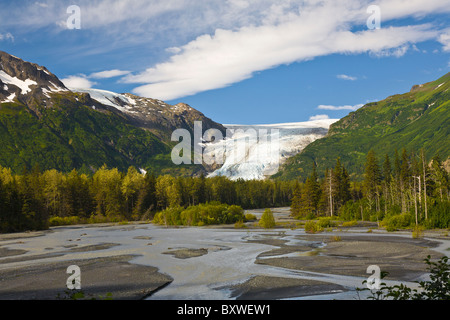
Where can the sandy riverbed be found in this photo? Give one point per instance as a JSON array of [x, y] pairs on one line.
[[140, 261]]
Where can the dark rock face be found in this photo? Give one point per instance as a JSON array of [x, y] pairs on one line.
[[23, 70], [29, 83], [162, 118]]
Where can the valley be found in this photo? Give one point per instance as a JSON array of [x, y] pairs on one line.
[[87, 179], [250, 264]]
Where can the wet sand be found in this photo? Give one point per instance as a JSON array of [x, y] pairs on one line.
[[142, 261], [187, 253], [274, 288], [402, 258], [102, 278]]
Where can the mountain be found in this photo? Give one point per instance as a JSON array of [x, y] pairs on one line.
[[257, 151], [153, 115], [414, 120], [46, 124]]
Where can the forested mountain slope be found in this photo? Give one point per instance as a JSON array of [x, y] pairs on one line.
[[419, 119], [44, 124]]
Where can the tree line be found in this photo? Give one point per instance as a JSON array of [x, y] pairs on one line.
[[34, 200], [404, 191], [408, 190]]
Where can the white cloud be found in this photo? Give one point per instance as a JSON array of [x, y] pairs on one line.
[[108, 74], [242, 4], [226, 13], [346, 77], [392, 9], [173, 50], [319, 117], [229, 56], [79, 82], [339, 108], [6, 36], [392, 52], [213, 44], [41, 4], [82, 81], [211, 62], [444, 39]]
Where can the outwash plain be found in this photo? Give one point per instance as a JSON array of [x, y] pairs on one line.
[[139, 261]]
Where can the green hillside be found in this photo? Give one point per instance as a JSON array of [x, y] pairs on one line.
[[70, 134], [414, 120]]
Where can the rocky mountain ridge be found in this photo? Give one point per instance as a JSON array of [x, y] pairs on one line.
[[44, 123]]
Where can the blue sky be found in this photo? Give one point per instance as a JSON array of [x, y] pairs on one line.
[[237, 61]]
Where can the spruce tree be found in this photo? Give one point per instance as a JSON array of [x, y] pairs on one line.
[[371, 177], [296, 200]]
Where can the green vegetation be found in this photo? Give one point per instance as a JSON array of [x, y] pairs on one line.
[[240, 225], [57, 169], [325, 222], [414, 120], [35, 200], [72, 135], [349, 223], [336, 239], [81, 295], [311, 227], [413, 192], [397, 221], [64, 221], [200, 215], [267, 220], [417, 232]]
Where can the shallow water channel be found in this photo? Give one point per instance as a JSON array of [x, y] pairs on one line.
[[228, 256]]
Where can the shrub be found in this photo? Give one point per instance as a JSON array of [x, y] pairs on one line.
[[311, 227], [325, 223], [64, 221], [350, 223], [98, 218], [240, 225], [234, 214], [250, 217], [336, 239], [170, 216], [398, 221], [267, 219], [200, 215], [310, 216], [417, 232]]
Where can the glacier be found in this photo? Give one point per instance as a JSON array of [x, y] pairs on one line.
[[256, 158], [248, 152]]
